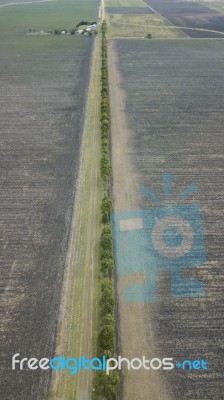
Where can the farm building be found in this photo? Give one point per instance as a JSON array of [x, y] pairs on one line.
[[91, 27]]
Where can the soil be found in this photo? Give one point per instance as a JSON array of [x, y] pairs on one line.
[[41, 130], [129, 10], [190, 15], [167, 116], [134, 334]]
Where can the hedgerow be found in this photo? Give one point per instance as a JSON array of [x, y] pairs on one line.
[[105, 386]]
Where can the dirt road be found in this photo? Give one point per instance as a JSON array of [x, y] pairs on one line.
[[135, 334]]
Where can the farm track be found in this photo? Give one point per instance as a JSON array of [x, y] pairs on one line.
[[102, 10], [76, 324], [135, 336], [84, 382]]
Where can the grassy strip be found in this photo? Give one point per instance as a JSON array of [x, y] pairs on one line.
[[105, 386], [125, 25], [70, 335], [126, 3]]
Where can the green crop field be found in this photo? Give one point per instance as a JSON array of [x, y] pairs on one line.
[[45, 16], [16, 22]]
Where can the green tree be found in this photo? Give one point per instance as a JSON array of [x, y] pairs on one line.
[[106, 229], [106, 204], [107, 267], [105, 385], [105, 254], [106, 337], [105, 123], [108, 320], [106, 241]]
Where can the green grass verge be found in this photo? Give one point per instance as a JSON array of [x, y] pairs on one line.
[[124, 26], [70, 331]]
